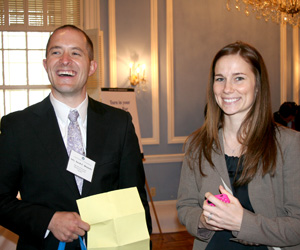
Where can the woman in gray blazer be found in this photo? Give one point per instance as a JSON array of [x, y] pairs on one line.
[[242, 153]]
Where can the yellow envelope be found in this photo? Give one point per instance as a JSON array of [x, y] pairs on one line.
[[117, 220]]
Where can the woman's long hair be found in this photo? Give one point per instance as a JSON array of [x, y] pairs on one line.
[[257, 132]]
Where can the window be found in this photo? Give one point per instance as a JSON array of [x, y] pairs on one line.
[[25, 26], [23, 80]]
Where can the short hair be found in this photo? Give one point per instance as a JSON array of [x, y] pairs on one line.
[[287, 109], [89, 43]]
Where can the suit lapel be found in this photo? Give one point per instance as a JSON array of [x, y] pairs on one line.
[[46, 126], [97, 131]]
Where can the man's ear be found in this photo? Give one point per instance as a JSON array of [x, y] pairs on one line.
[[93, 67], [45, 64]]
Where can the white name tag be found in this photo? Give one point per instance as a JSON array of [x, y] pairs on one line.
[[81, 166]]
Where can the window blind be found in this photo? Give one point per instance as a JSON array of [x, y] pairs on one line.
[[39, 15]]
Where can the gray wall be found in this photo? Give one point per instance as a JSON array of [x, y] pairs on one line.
[[201, 28]]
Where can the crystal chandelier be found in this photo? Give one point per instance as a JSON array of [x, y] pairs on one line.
[[278, 11]]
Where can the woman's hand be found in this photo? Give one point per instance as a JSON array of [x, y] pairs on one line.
[[203, 224], [224, 215]]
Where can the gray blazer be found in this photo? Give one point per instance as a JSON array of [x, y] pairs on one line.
[[276, 201]]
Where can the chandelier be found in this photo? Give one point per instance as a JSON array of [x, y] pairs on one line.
[[278, 11]]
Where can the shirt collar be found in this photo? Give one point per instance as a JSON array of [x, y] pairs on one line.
[[62, 110]]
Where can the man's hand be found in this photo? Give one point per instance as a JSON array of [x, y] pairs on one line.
[[66, 226]]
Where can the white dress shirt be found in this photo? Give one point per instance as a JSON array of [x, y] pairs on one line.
[[62, 111]]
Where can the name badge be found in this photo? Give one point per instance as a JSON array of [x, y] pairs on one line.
[[81, 166]]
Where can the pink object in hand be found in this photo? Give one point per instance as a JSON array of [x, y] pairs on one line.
[[221, 197]]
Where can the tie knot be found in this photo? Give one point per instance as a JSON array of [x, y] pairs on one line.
[[73, 115]]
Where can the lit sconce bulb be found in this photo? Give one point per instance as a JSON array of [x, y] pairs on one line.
[[130, 70], [137, 74], [137, 70], [143, 71]]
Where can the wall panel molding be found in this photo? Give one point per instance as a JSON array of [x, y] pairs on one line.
[[91, 15], [283, 63], [296, 64], [112, 43], [172, 139], [168, 218], [154, 77], [163, 158], [155, 139]]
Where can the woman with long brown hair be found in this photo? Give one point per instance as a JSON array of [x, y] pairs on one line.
[[240, 152]]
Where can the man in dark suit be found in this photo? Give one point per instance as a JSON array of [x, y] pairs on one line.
[[286, 114], [34, 158]]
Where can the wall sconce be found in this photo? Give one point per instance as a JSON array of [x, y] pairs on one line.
[[137, 75]]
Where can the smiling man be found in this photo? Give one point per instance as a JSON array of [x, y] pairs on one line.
[[37, 143], [69, 63]]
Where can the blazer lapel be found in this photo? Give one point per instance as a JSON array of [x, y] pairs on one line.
[[97, 131], [46, 126], [220, 165], [257, 189]]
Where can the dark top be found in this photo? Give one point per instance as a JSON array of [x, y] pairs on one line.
[[221, 239]]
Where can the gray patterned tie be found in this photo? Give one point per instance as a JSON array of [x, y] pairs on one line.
[[75, 141]]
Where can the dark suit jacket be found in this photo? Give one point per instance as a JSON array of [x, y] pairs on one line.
[[278, 119], [33, 159]]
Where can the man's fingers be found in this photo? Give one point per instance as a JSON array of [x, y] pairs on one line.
[[66, 226], [84, 226]]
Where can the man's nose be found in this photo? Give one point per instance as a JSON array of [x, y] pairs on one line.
[[65, 58]]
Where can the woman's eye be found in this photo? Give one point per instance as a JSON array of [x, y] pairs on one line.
[[219, 79], [239, 78]]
